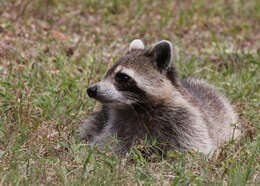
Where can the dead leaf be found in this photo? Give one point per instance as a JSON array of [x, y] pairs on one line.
[[58, 35]]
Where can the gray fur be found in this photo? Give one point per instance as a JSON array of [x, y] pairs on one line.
[[178, 114]]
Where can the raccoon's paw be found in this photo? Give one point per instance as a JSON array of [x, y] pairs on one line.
[[87, 131]]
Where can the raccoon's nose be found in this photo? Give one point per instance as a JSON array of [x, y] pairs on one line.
[[92, 91]]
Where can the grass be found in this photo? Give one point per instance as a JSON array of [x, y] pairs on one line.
[[51, 51]]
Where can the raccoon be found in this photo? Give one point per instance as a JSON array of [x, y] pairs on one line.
[[143, 98]]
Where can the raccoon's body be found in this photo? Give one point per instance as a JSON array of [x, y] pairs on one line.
[[143, 98]]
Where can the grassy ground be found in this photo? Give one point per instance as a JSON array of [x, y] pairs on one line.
[[52, 50]]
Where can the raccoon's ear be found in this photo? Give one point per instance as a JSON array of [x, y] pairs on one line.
[[163, 54], [136, 44]]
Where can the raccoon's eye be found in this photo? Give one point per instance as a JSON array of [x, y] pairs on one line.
[[122, 78]]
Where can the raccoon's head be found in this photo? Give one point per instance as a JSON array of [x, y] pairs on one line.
[[140, 76]]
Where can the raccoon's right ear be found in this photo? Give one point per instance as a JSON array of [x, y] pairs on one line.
[[163, 54], [136, 44]]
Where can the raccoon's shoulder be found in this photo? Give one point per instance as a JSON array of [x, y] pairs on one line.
[[203, 91], [197, 85]]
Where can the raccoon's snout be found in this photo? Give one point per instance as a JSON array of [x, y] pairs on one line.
[[92, 91]]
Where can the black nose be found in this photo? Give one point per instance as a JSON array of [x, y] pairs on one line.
[[92, 91]]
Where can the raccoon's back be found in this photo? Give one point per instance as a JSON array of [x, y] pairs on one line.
[[214, 106], [204, 94]]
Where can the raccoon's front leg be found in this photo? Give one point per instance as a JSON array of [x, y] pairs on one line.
[[93, 126]]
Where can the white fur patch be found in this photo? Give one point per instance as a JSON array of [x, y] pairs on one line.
[[108, 90], [136, 44], [129, 72], [125, 70]]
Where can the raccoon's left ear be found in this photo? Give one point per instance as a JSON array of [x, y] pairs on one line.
[[163, 54]]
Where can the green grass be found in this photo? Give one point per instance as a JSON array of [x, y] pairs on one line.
[[51, 51]]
